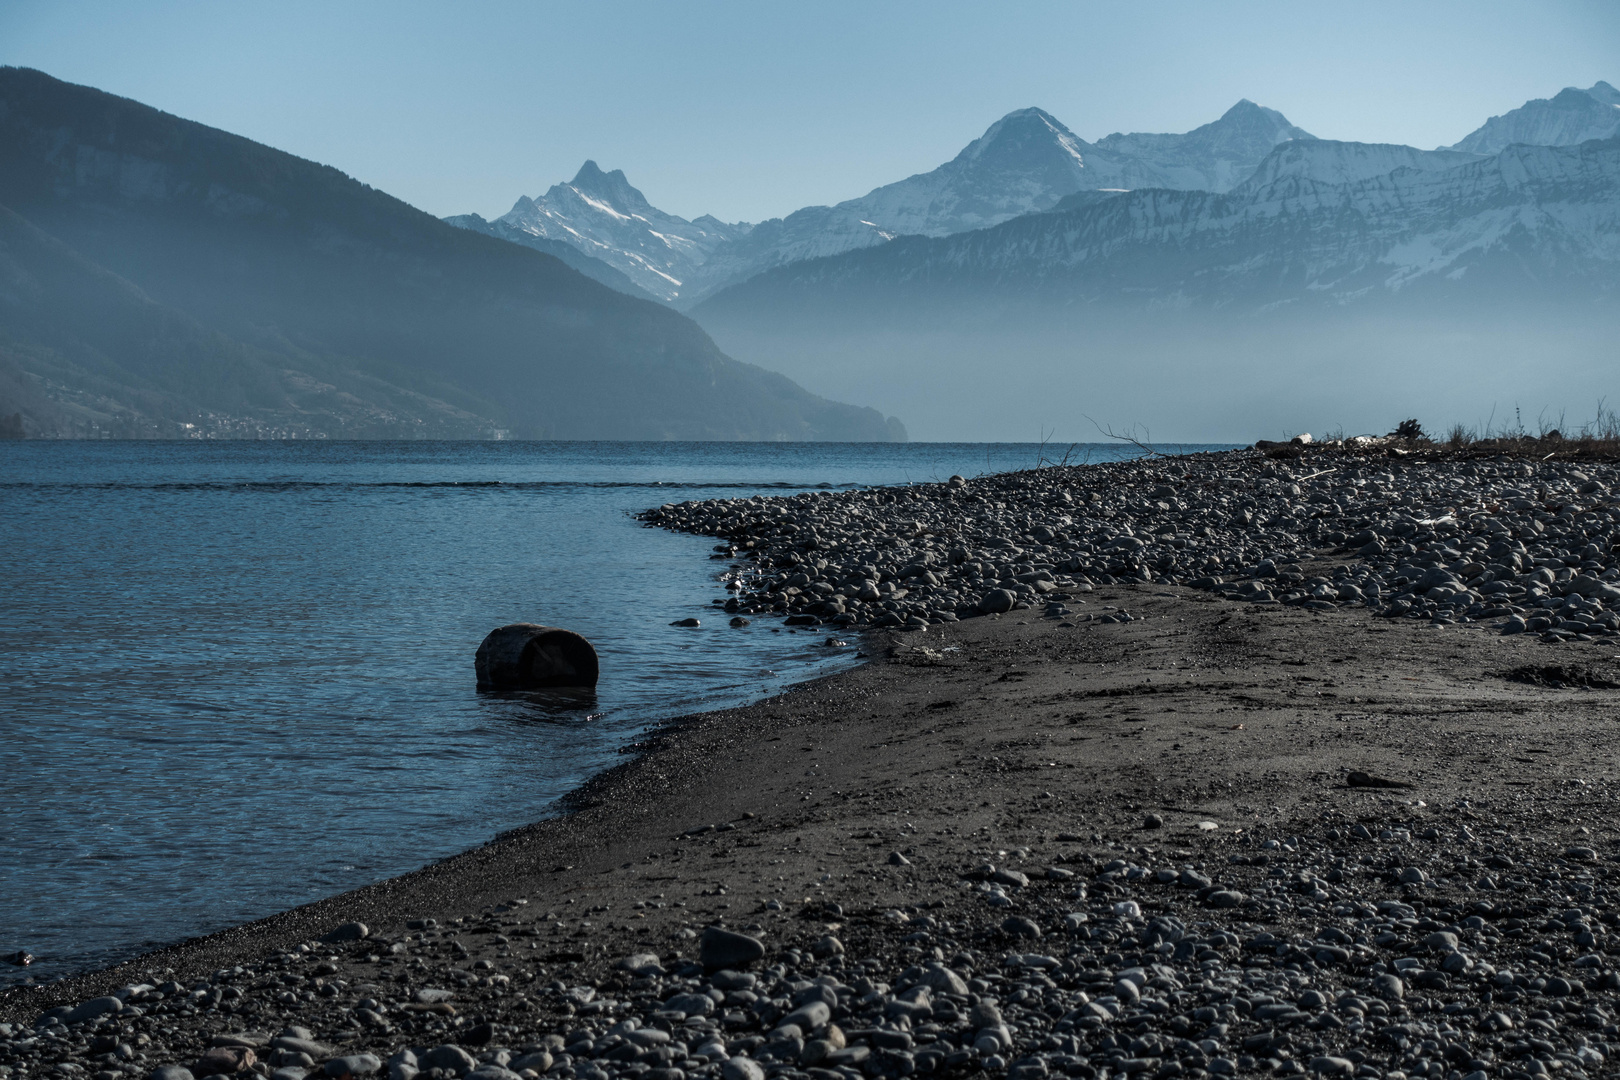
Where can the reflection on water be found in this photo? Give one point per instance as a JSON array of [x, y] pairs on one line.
[[551, 706]]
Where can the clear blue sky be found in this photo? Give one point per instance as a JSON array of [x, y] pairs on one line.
[[750, 110]]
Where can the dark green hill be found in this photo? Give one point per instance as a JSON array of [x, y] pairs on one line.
[[200, 274], [83, 352]]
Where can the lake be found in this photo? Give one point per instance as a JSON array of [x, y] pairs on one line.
[[238, 676]]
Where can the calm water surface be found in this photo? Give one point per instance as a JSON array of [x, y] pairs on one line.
[[237, 677]]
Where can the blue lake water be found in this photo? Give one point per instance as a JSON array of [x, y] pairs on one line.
[[237, 676]]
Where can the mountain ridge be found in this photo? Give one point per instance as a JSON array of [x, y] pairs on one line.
[[589, 265], [1569, 117], [293, 260], [1492, 283], [1024, 162], [609, 221], [1381, 215]]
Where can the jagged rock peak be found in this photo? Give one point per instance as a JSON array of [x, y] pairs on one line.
[[1248, 117], [1569, 117], [1017, 132], [611, 187]]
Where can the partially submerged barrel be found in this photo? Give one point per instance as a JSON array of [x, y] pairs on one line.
[[526, 656]]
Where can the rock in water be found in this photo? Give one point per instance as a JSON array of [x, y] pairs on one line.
[[525, 656], [724, 949]]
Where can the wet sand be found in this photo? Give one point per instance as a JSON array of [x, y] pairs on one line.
[[1016, 739]]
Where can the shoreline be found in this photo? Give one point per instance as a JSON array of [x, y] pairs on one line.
[[1037, 744]]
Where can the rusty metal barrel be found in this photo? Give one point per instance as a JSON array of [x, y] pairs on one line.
[[526, 656]]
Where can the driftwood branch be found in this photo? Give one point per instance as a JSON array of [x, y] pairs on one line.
[[1140, 442]]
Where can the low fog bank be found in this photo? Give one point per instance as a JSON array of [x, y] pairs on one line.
[[1184, 377]]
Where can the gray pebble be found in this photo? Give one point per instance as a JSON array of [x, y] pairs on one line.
[[451, 1057], [726, 949]]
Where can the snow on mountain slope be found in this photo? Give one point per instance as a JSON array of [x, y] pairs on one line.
[[1027, 161], [1214, 157], [600, 214], [811, 233], [591, 267], [1530, 216], [1572, 116], [1334, 162]]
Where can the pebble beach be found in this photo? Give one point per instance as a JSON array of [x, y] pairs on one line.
[[1524, 547], [1281, 762]]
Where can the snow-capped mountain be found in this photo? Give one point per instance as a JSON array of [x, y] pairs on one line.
[[593, 268], [1334, 162], [1572, 116], [1025, 162], [1531, 217], [601, 215], [1494, 282], [1214, 157]]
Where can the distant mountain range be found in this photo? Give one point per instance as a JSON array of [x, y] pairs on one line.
[[162, 278], [616, 235], [1319, 224], [1026, 161], [1573, 116], [1487, 279]]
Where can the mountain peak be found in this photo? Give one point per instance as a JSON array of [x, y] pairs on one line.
[[591, 173], [1572, 97], [1569, 117], [610, 187], [1248, 115], [1020, 132], [1603, 92], [1033, 112]]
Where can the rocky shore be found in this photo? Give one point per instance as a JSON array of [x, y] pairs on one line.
[[1137, 821], [1522, 546]]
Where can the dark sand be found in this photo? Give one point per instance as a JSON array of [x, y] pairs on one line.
[[994, 735]]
